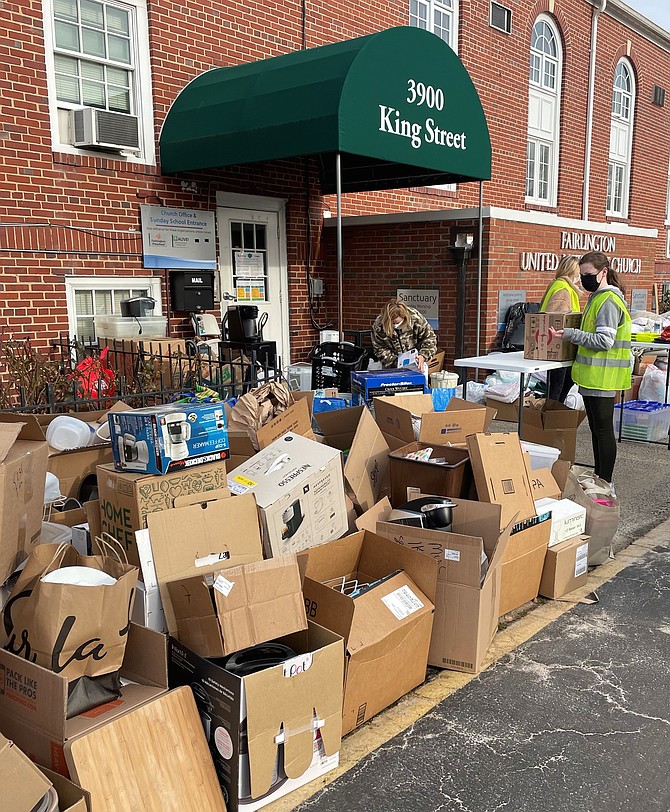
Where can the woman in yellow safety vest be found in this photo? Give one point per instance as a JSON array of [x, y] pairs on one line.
[[602, 366], [562, 296]]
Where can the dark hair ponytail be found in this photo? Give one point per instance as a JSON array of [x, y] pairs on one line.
[[614, 279], [601, 263]]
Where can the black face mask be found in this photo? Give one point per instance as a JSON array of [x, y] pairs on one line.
[[590, 282]]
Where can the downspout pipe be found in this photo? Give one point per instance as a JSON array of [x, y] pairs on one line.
[[599, 7]]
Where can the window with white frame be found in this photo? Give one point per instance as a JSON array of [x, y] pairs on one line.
[[438, 16], [97, 59], [88, 297], [544, 91], [621, 139]]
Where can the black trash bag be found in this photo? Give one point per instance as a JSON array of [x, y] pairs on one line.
[[87, 693]]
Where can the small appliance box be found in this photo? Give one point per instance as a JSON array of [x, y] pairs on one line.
[[172, 437], [568, 519], [299, 488], [385, 613], [536, 343], [366, 385], [127, 498], [272, 730], [565, 568]]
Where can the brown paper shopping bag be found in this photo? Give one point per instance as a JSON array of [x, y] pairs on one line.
[[74, 630]]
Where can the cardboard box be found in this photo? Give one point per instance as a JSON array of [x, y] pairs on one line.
[[126, 499], [171, 437], [632, 393], [567, 518], [192, 542], [451, 478], [467, 603], [536, 343], [436, 363], [299, 489], [501, 476], [504, 411], [548, 422], [23, 470], [244, 606], [366, 468], [565, 567], [366, 385], [23, 785], [242, 716], [396, 418], [71, 798], [33, 700], [386, 628], [297, 418]]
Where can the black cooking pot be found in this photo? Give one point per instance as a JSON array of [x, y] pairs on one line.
[[431, 512]]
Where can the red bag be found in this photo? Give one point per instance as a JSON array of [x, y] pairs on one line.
[[95, 377]]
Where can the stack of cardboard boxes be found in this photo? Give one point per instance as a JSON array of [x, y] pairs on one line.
[[284, 576]]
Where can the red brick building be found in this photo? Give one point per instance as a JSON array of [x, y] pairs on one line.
[[574, 96]]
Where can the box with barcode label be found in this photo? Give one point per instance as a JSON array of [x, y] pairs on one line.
[[565, 567], [381, 596]]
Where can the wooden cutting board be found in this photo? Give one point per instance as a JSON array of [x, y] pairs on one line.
[[154, 758]]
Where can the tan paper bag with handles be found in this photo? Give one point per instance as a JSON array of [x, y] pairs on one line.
[[72, 629]]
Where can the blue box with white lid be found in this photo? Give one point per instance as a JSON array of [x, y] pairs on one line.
[[369, 384]]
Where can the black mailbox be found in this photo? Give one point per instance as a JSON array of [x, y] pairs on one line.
[[192, 291]]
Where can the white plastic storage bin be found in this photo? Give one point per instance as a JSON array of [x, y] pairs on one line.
[[643, 420], [541, 456], [299, 376], [130, 327]]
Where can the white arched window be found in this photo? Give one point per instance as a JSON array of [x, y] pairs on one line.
[[621, 139], [546, 65], [438, 16]]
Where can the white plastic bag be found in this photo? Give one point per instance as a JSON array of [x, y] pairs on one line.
[[504, 392], [476, 392], [652, 386]]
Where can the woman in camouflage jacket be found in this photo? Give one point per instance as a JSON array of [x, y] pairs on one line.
[[398, 329]]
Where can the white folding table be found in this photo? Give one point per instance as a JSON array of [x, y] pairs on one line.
[[509, 362]]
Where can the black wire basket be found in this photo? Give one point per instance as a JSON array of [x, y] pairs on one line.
[[333, 362]]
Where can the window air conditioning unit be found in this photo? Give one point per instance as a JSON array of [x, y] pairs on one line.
[[103, 129]]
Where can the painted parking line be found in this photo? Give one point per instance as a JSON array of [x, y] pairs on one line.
[[423, 699]]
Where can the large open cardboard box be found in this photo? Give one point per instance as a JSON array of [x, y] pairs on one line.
[[33, 700], [354, 430], [386, 629], [23, 470], [274, 730], [467, 602], [299, 489], [126, 499], [501, 477], [551, 423], [450, 427]]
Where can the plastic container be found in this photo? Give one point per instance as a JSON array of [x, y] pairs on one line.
[[643, 420], [333, 363], [66, 432], [299, 377], [130, 327], [443, 380], [49, 803], [541, 456]]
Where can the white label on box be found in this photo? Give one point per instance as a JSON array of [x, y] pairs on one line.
[[223, 585], [236, 488], [581, 559], [403, 602], [212, 558], [452, 555], [298, 665]]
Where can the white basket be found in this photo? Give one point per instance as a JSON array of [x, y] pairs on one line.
[[130, 327], [444, 380]]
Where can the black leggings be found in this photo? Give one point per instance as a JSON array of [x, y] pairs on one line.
[[600, 412]]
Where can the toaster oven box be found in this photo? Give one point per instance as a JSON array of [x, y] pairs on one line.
[[172, 437]]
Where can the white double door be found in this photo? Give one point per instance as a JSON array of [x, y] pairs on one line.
[[252, 268]]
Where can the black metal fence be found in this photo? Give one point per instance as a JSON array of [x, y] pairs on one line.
[[84, 375]]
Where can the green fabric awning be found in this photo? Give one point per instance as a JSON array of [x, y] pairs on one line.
[[399, 106]]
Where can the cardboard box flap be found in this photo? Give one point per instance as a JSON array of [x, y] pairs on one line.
[[395, 602], [9, 434], [551, 414], [199, 498], [543, 484], [381, 556], [339, 426], [71, 798], [460, 418], [296, 418], [145, 658], [367, 465], [394, 414], [377, 513], [333, 610], [41, 710], [293, 698], [30, 429], [501, 547], [259, 602], [338, 557], [23, 785], [200, 539]]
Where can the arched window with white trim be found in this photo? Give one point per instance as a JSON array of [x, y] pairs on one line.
[[544, 93], [621, 140]]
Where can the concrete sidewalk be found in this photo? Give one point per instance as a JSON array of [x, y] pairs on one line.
[[577, 718]]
